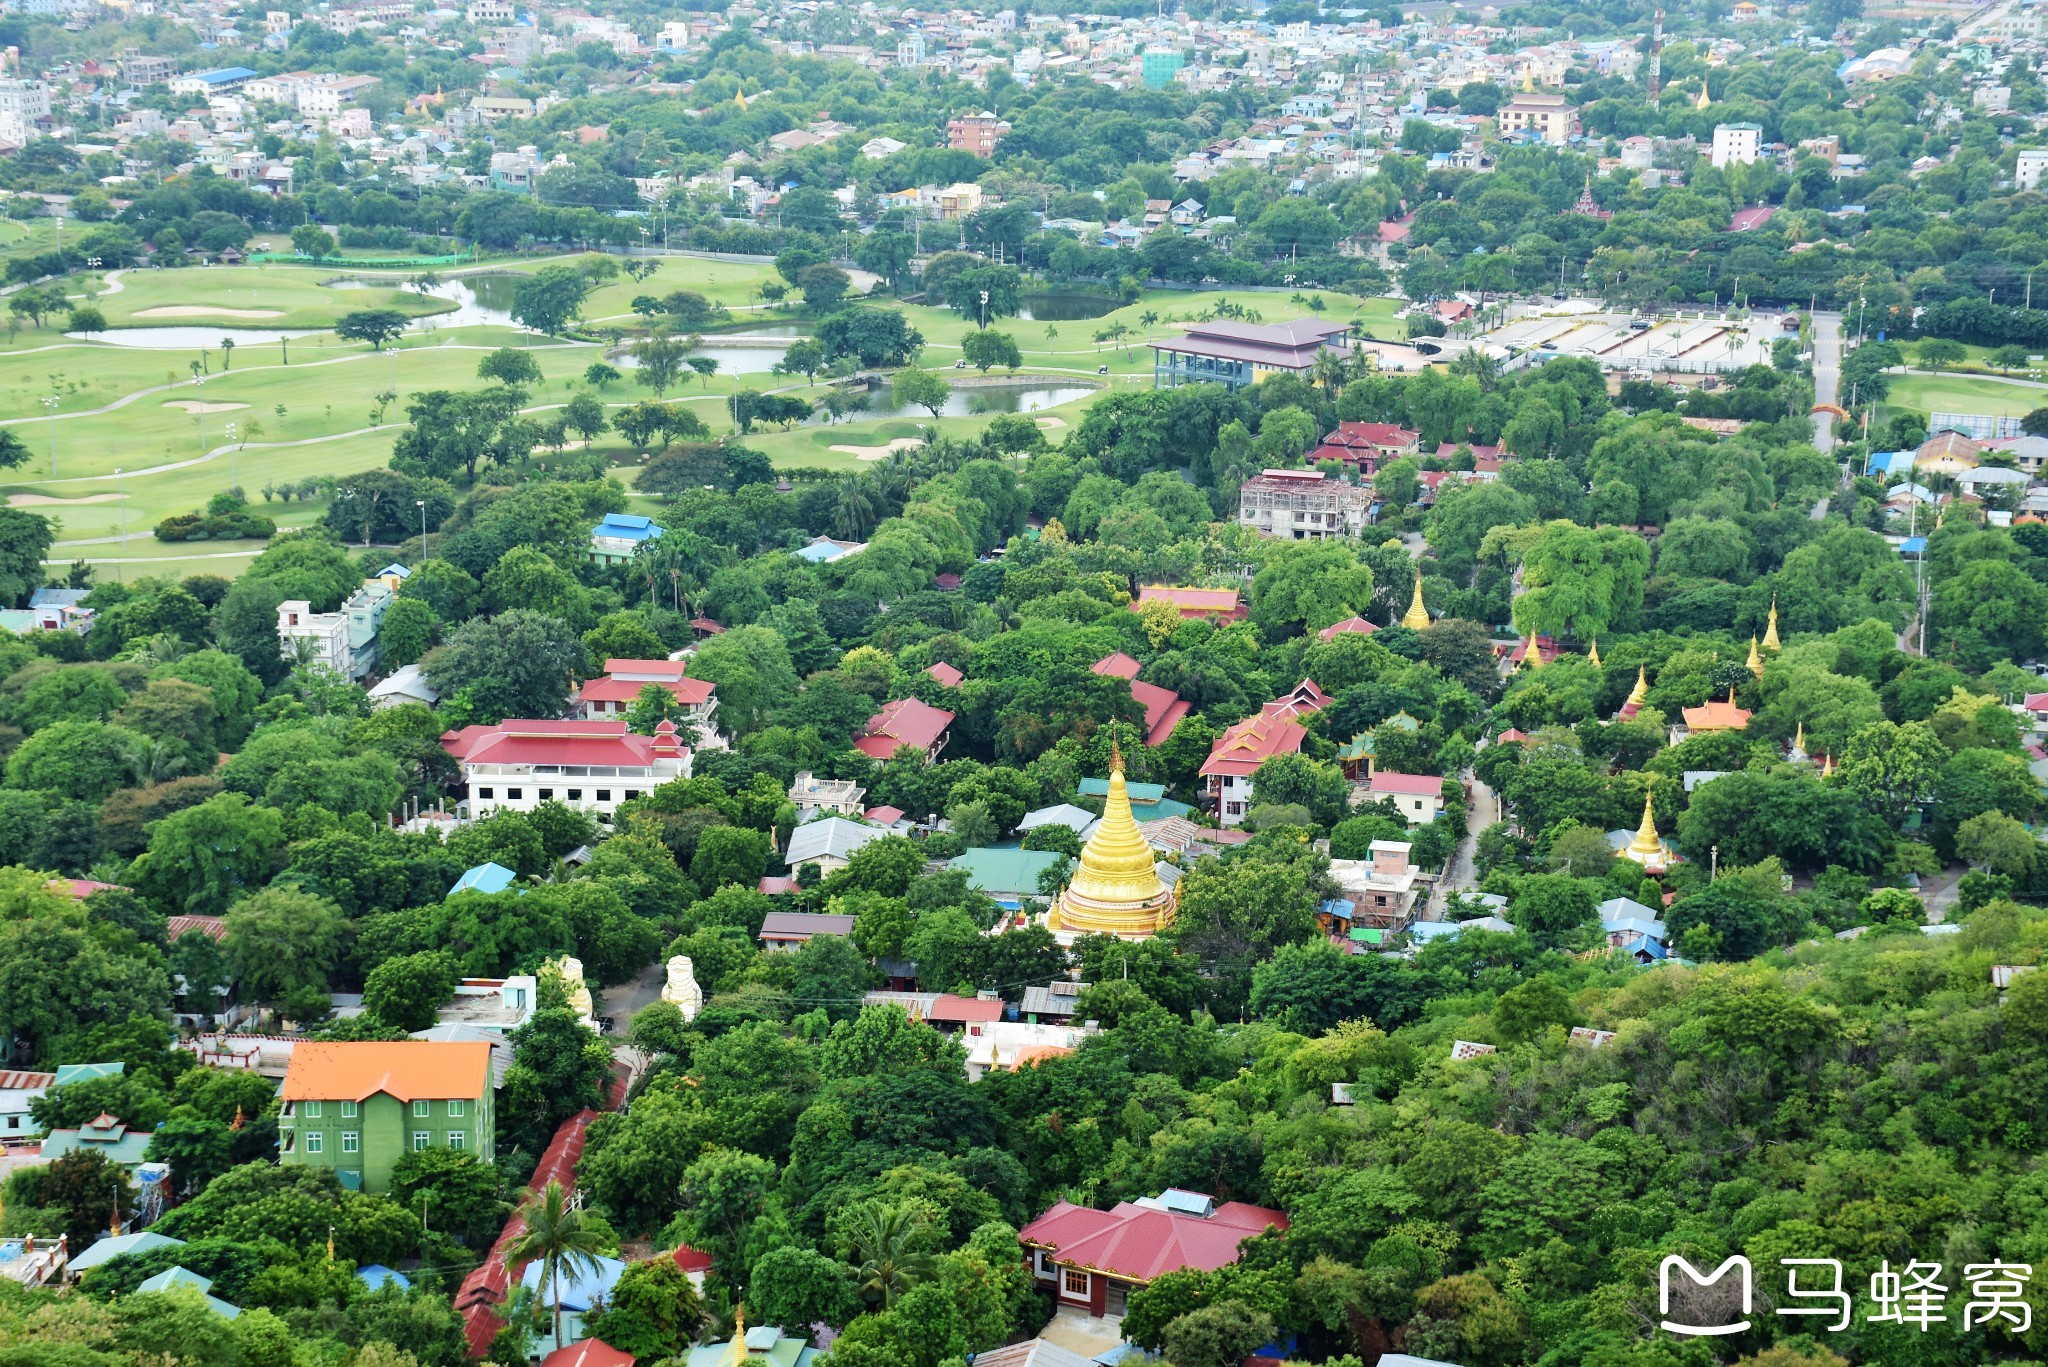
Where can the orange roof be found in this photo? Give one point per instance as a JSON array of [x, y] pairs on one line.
[[410, 1070], [1033, 1054], [1715, 715]]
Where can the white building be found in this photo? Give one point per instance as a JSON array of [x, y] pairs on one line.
[[487, 12], [344, 641], [593, 765], [2027, 168], [1302, 505], [1737, 143]]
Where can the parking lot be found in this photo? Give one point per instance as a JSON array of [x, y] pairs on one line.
[[1692, 342]]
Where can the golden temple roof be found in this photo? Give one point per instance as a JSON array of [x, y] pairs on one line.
[[1116, 888], [1417, 616]]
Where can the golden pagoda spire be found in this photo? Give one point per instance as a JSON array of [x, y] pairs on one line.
[[1532, 658], [1528, 77], [1771, 626], [1593, 655], [1799, 742], [1417, 616], [330, 1243], [1646, 848], [1701, 103], [114, 1219], [1755, 663], [739, 1335], [1827, 767], [1116, 889], [1641, 691], [739, 97]]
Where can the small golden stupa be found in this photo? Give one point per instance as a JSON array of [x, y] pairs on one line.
[[1755, 662], [1593, 655], [1532, 658], [1641, 691], [1116, 889], [1646, 848], [1771, 628], [1417, 616]]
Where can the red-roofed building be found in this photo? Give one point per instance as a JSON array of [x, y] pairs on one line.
[[212, 927], [1094, 1259], [619, 688], [587, 1353], [1397, 229], [2036, 707], [594, 765], [1368, 445], [1748, 220], [1350, 626], [946, 675], [906, 722], [484, 1290], [1419, 797], [1194, 604], [1237, 754], [1547, 650], [1164, 708], [1299, 701]]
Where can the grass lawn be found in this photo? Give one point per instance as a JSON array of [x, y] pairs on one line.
[[1964, 394], [242, 296], [327, 396]]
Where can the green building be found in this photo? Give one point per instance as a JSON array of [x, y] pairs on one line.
[[355, 1107], [1158, 65]]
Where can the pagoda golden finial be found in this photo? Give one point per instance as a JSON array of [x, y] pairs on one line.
[[1646, 849], [1528, 76], [1417, 616], [739, 1335], [1827, 767], [739, 97], [1771, 626], [1532, 657], [1641, 691], [1799, 742], [1701, 103], [330, 1243], [1755, 663], [1593, 655], [1116, 888]]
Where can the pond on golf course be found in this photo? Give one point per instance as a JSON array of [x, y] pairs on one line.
[[1064, 308], [978, 400]]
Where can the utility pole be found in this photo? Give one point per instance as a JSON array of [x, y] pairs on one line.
[[51, 404], [423, 526]]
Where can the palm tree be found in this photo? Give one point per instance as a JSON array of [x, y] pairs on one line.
[[1330, 372], [227, 353], [887, 1256], [558, 1236], [855, 511], [1051, 335], [1148, 320]]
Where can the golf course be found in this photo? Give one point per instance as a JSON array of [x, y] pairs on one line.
[[155, 415]]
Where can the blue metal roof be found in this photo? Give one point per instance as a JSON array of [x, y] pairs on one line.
[[485, 878]]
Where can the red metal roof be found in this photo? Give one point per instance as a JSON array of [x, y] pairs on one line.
[[1407, 785], [26, 1082], [1164, 710], [1239, 751], [486, 1287], [884, 816], [1118, 666], [1138, 1244], [532, 741], [606, 688], [1373, 434], [946, 674], [1193, 602], [587, 1353], [963, 1010], [663, 669], [212, 927], [906, 721], [691, 1259], [1349, 626]]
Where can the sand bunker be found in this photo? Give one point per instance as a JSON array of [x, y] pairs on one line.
[[45, 501], [193, 406], [1050, 424], [880, 452], [205, 311]]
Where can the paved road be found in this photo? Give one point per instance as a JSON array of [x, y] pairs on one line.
[[622, 1001], [1827, 375], [1482, 811]]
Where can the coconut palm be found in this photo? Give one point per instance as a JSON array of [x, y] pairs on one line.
[[1051, 335], [854, 513], [888, 1254], [558, 1236]]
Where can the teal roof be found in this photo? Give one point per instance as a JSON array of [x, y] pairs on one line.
[[485, 878], [176, 1277], [108, 1249], [1140, 792], [127, 1149], [1005, 873], [767, 1346], [85, 1072]]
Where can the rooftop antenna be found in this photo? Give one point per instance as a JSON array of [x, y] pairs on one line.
[[1656, 54]]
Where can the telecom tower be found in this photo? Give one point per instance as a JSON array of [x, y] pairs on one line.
[[1656, 54]]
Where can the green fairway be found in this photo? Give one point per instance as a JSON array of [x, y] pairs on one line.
[[239, 297], [306, 407], [1965, 394]]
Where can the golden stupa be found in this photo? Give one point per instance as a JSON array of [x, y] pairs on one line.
[[1641, 691], [1116, 889], [1593, 655], [1417, 616], [1532, 658], [1771, 628], [1646, 848], [1755, 662]]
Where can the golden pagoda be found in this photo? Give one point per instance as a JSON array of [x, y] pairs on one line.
[[1646, 848], [1593, 655], [1417, 616], [1641, 692], [1798, 754], [1532, 658], [1701, 103], [1771, 627], [1116, 889], [1827, 767], [1755, 662], [739, 97]]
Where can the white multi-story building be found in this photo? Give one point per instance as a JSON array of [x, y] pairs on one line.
[[1302, 505], [489, 12], [2026, 171], [1737, 143], [593, 765], [25, 100], [344, 641]]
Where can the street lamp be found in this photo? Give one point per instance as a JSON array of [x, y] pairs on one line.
[[422, 505], [234, 462], [50, 403], [984, 310], [199, 383]]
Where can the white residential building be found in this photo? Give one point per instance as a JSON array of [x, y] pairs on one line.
[[593, 765], [2027, 168], [344, 641], [1737, 143]]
